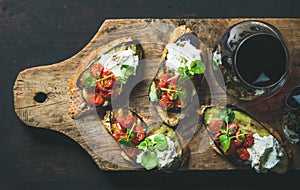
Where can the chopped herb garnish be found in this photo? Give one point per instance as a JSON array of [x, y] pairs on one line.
[[89, 82], [196, 67]]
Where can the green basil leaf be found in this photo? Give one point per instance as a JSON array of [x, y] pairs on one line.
[[176, 95], [149, 160], [127, 70], [161, 142], [149, 143], [181, 70], [190, 74], [89, 82], [125, 141], [223, 129], [197, 66], [133, 134], [226, 114], [225, 142], [142, 145]]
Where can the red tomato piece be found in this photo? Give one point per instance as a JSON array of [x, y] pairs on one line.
[[238, 142], [243, 153], [117, 135], [173, 80], [139, 132], [96, 70], [99, 100], [232, 148], [106, 73], [163, 80], [214, 126], [166, 103], [233, 129], [216, 138], [108, 83], [100, 86], [249, 141], [126, 121], [95, 99]]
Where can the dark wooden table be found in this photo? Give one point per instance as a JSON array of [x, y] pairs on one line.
[[35, 33]]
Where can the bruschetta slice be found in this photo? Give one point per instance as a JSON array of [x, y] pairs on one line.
[[103, 75], [179, 76], [243, 140]]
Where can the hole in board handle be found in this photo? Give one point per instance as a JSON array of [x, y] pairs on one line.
[[40, 97]]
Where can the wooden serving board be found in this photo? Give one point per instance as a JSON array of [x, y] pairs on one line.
[[53, 81]]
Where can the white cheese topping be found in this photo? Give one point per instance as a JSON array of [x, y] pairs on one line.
[[178, 53], [265, 153], [165, 157], [114, 62], [217, 58]]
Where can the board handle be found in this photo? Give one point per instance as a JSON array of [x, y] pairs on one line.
[[41, 96]]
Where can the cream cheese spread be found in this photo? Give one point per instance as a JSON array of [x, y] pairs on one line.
[[265, 153], [114, 62], [181, 55], [165, 157]]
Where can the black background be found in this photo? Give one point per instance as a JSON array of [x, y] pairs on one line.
[[42, 32]]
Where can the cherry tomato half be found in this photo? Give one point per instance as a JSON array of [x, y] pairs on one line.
[[96, 70], [232, 148], [249, 141], [214, 127], [243, 153], [233, 129]]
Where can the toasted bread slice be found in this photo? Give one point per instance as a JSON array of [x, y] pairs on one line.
[[83, 83], [132, 152], [175, 86], [245, 126]]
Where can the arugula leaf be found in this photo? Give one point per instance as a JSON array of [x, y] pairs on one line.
[[223, 129], [226, 114], [225, 142], [197, 67], [149, 160], [146, 143], [127, 70], [125, 141], [161, 142], [142, 145], [130, 133], [89, 82]]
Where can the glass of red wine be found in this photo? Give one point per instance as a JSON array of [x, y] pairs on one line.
[[253, 59]]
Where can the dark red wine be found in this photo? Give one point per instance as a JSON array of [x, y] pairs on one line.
[[261, 60]]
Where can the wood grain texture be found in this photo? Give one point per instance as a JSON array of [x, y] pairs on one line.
[[53, 80]]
